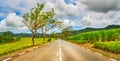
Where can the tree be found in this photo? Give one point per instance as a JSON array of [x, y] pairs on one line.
[[50, 23], [66, 32], [34, 20]]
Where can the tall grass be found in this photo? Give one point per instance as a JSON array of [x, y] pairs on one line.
[[102, 35], [18, 45], [108, 46]]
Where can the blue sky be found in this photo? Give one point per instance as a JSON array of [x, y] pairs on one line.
[[76, 13]]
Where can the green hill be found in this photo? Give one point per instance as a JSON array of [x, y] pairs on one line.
[[74, 32], [93, 36]]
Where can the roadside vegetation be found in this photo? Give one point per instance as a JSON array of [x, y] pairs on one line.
[[108, 46], [19, 44], [35, 20], [8, 37], [108, 40], [95, 36]]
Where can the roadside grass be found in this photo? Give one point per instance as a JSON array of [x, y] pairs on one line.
[[95, 36], [18, 45], [108, 46], [107, 53], [103, 52]]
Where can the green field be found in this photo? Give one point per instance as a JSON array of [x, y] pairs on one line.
[[108, 40], [95, 36], [108, 46], [18, 45]]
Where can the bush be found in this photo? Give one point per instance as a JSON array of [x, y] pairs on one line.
[[49, 40]]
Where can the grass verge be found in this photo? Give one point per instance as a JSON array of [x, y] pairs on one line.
[[19, 45]]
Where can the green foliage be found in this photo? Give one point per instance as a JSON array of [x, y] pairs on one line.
[[19, 44], [49, 40], [38, 19], [108, 46], [103, 35], [88, 29], [78, 41], [6, 37]]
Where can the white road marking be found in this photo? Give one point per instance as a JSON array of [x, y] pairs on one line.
[[82, 47], [57, 53], [60, 52], [7, 59], [22, 53], [98, 54], [113, 59], [59, 43], [60, 57], [88, 49]]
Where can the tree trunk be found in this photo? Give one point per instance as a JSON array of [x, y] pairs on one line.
[[33, 36], [44, 37]]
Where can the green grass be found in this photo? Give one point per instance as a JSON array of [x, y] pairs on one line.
[[18, 45], [94, 36], [108, 46]]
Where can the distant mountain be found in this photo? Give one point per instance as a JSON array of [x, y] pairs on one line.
[[112, 26], [23, 34], [28, 35], [74, 32]]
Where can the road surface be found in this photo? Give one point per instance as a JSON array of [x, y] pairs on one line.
[[60, 50]]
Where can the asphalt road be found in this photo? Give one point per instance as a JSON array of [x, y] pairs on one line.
[[60, 51]]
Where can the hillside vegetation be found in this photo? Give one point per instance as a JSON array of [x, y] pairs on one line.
[[88, 29], [108, 40], [95, 36]]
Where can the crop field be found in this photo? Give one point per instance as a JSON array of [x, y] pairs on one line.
[[18, 45], [108, 46], [95, 36]]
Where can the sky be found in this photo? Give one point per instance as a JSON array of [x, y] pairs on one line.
[[78, 14]]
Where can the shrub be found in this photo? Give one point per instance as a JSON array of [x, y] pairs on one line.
[[49, 40]]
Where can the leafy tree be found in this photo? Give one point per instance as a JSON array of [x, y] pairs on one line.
[[50, 23], [66, 32], [34, 20], [47, 16], [6, 37]]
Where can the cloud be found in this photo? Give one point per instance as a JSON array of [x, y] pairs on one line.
[[18, 6], [93, 13], [65, 10], [92, 22], [62, 9], [102, 5], [12, 22]]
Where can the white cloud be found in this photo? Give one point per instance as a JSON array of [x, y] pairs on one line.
[[92, 22], [68, 23], [12, 22], [85, 12], [102, 5], [62, 9]]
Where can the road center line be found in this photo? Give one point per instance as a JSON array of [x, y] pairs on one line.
[[60, 52], [60, 57]]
